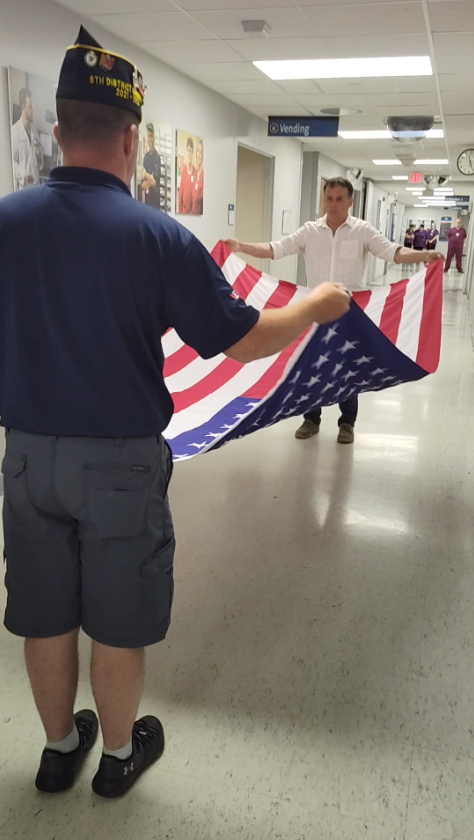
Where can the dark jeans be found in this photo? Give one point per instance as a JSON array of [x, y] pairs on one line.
[[349, 410]]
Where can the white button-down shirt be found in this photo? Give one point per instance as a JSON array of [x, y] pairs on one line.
[[337, 258]]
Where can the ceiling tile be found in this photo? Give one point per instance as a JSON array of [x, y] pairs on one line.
[[294, 86], [218, 5], [371, 46], [333, 101], [244, 87], [456, 82], [360, 86], [406, 110], [446, 16], [281, 48], [220, 71], [107, 7], [463, 63], [154, 27], [414, 84], [177, 52], [458, 103], [284, 23], [376, 19], [458, 43], [404, 100], [319, 3], [266, 106]]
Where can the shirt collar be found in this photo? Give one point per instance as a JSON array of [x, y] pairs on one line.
[[349, 221], [89, 177]]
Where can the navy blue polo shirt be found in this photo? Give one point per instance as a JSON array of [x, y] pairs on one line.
[[90, 280]]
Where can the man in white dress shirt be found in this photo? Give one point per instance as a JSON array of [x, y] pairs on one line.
[[26, 146], [336, 249]]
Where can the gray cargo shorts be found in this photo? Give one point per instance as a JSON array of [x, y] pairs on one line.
[[89, 538]]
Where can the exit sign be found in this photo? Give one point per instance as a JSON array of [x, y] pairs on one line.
[[415, 178]]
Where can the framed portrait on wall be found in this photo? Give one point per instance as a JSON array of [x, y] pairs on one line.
[[154, 165], [189, 174], [35, 151]]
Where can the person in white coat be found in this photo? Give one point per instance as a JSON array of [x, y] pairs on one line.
[[27, 150]]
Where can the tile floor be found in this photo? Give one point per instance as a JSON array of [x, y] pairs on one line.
[[318, 680]]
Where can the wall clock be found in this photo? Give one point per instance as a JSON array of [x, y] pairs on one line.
[[466, 162]]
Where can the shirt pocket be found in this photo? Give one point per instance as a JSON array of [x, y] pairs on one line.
[[349, 250]]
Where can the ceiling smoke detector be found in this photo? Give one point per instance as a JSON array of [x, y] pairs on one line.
[[409, 129], [256, 28]]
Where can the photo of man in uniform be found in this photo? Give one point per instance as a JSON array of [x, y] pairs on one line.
[[27, 150], [151, 172]]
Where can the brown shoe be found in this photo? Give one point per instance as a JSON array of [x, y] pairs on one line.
[[346, 433], [307, 430]]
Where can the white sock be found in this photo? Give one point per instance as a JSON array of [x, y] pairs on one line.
[[68, 745], [122, 754]]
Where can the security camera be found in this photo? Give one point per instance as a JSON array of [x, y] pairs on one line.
[[408, 129], [436, 180]]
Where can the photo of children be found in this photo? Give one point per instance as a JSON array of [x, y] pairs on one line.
[[189, 174], [154, 165]]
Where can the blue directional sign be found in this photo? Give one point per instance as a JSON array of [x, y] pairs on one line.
[[303, 126]]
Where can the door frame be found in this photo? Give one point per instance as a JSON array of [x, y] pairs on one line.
[[267, 221]]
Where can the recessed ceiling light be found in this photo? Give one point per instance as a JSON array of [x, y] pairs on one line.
[[415, 189], [399, 177], [434, 162], [392, 162], [433, 134], [346, 68]]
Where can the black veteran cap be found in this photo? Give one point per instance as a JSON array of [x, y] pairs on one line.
[[90, 74]]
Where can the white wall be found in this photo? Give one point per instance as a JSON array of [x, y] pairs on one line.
[[34, 35]]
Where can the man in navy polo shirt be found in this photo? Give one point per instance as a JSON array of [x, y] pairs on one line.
[[89, 538]]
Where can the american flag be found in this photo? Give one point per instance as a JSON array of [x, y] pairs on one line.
[[392, 334]]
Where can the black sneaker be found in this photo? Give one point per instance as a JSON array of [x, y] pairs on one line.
[[115, 777], [57, 770]]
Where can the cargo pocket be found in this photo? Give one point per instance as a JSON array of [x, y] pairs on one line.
[[116, 500], [158, 585], [18, 509]]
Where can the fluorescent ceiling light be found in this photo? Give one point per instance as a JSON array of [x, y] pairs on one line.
[[443, 192], [392, 162], [434, 162], [399, 177], [433, 134], [346, 68], [415, 189]]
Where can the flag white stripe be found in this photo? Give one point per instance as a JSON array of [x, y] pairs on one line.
[[376, 304], [409, 332], [200, 412], [232, 267], [192, 373], [171, 343]]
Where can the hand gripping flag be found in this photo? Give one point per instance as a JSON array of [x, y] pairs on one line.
[[392, 334]]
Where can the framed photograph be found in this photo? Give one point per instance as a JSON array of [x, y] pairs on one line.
[[35, 151], [154, 165], [189, 174]]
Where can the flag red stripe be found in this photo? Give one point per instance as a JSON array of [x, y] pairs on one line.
[[362, 298], [429, 345], [243, 285], [392, 311], [274, 373], [207, 385], [282, 295]]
